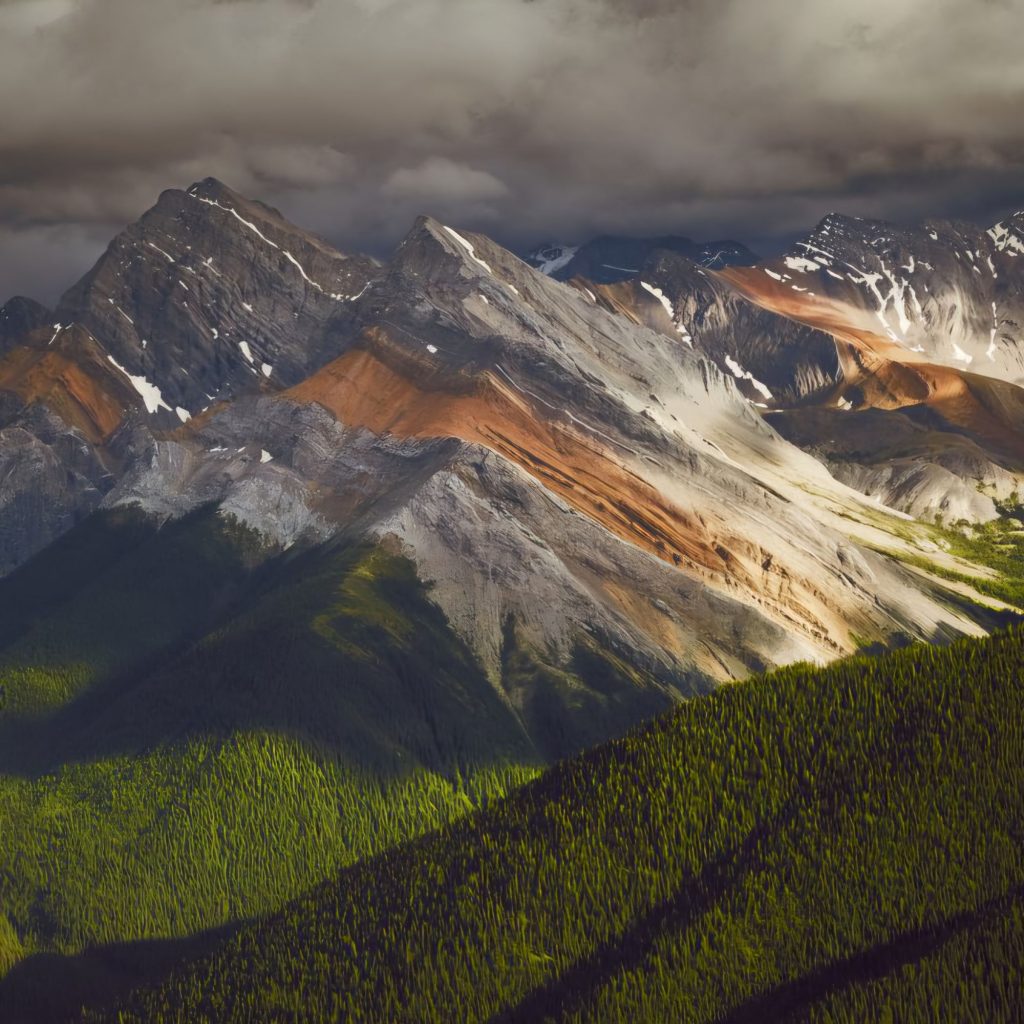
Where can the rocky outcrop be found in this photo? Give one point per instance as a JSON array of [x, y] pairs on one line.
[[51, 478], [919, 325], [949, 293], [776, 361]]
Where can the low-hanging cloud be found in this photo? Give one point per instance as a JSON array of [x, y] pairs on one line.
[[529, 119]]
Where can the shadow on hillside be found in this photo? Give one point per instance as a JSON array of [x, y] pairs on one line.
[[792, 999], [342, 648], [569, 993], [572, 993], [47, 988]]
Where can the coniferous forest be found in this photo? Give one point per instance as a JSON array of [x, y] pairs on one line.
[[830, 844]]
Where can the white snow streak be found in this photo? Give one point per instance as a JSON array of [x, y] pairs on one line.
[[298, 266], [150, 392], [1006, 240], [234, 213], [740, 374], [166, 255], [661, 297], [960, 355], [802, 265], [252, 227], [670, 309], [468, 247]]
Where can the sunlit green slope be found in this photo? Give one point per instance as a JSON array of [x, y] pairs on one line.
[[195, 729], [844, 844]]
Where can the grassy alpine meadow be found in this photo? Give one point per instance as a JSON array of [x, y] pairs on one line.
[[837, 844]]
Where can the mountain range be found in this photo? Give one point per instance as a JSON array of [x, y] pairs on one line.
[[279, 523]]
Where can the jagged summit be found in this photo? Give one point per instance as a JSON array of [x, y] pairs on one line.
[[941, 291], [208, 295], [213, 188], [1008, 236]]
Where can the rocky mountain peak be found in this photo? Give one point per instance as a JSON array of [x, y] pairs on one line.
[[209, 295], [214, 188], [520, 438], [432, 235], [435, 255]]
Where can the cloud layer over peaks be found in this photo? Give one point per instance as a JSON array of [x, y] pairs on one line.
[[527, 119]]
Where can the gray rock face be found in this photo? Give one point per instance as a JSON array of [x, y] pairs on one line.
[[498, 548], [923, 489], [949, 291], [210, 295], [555, 468], [792, 362], [945, 294], [50, 479], [550, 464], [904, 459], [829, 328]]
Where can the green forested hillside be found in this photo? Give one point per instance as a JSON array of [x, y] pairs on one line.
[[196, 729], [844, 844]]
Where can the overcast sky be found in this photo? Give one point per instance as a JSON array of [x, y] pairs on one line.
[[525, 119]]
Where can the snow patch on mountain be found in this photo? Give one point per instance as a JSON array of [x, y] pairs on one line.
[[802, 264], [469, 248], [549, 259], [1005, 240], [741, 374], [149, 393], [961, 356], [660, 296], [669, 308]]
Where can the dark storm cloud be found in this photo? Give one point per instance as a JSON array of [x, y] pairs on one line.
[[528, 120]]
